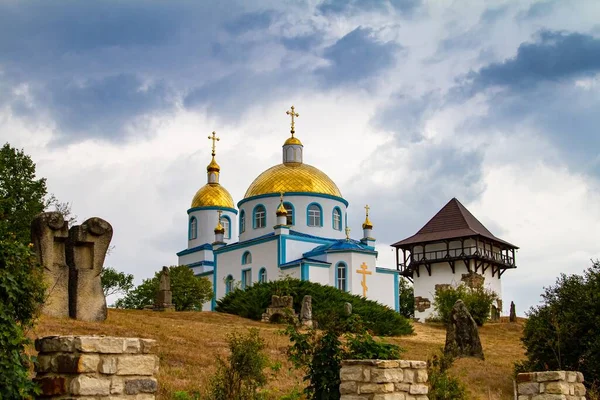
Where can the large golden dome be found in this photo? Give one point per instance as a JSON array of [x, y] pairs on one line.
[[212, 195], [292, 177]]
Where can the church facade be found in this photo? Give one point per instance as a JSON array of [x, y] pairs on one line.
[[292, 221]]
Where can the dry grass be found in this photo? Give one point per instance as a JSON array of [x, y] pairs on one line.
[[190, 342]]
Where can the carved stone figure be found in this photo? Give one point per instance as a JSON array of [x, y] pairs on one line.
[[49, 233], [462, 336], [513, 312], [494, 314], [85, 253], [306, 311], [164, 297], [347, 308]]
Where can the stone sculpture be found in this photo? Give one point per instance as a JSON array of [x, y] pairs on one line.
[[164, 297], [49, 233], [306, 312], [513, 312], [347, 308], [462, 336], [281, 309], [85, 253]]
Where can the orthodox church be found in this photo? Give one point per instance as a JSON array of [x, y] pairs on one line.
[[291, 222]]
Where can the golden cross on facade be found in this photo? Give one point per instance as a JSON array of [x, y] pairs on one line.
[[214, 139], [363, 271], [292, 114]]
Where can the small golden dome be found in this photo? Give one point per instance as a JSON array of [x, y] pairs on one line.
[[367, 224], [212, 195], [213, 166], [281, 210], [292, 177], [292, 140]]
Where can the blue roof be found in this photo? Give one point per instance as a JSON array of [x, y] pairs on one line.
[[305, 260], [306, 235], [205, 246], [341, 245]]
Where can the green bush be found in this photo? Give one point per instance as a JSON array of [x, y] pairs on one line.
[[441, 385], [326, 301], [562, 333], [477, 300], [240, 375], [407, 298]]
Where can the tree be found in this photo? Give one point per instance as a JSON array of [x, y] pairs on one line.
[[562, 333], [115, 282], [21, 295], [407, 298], [189, 291], [21, 194], [63, 208]]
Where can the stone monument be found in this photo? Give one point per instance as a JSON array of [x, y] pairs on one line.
[[462, 336], [49, 233], [164, 297], [281, 309], [306, 312], [85, 253], [513, 312], [348, 308]]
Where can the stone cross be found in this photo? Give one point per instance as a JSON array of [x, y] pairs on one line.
[[292, 114], [214, 139], [85, 253], [363, 271], [49, 233]]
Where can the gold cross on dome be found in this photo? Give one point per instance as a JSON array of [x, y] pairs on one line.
[[214, 139], [292, 114], [367, 208], [281, 197]]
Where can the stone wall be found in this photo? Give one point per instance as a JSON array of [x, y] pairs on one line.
[[550, 385], [383, 380], [96, 367]]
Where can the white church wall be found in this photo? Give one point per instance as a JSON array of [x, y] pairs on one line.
[[320, 275], [295, 248], [441, 273], [300, 204], [206, 223], [197, 256], [382, 287]]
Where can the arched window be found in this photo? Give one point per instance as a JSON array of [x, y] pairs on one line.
[[290, 213], [341, 276], [242, 221], [246, 278], [226, 222], [337, 218], [314, 215], [193, 231], [246, 258], [260, 217], [262, 275], [228, 284]]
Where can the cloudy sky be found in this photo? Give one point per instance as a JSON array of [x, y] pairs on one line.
[[404, 103]]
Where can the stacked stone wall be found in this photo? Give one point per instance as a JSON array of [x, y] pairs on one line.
[[550, 385], [383, 380], [96, 367]]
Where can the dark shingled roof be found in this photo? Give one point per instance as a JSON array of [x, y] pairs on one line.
[[453, 221]]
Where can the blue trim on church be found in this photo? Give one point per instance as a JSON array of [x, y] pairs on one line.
[[233, 210], [322, 195], [205, 246]]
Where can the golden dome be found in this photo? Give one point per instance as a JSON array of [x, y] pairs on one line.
[[292, 140], [292, 177], [213, 166], [212, 195]]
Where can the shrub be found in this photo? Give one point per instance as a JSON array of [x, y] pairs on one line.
[[441, 385], [407, 298], [240, 375], [326, 301], [478, 301], [562, 333], [320, 352]]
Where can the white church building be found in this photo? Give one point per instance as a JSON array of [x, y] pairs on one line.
[[292, 221]]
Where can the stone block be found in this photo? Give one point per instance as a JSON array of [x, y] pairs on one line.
[[418, 364], [557, 388], [140, 385], [418, 388], [136, 364], [402, 387], [45, 364], [404, 364], [409, 375], [132, 345], [571, 376], [54, 344], [421, 376], [52, 385], [148, 345], [99, 344], [117, 385], [355, 397], [386, 375], [579, 377], [390, 396], [375, 388], [67, 363], [90, 386], [528, 388], [547, 376], [348, 387], [524, 397], [526, 377], [108, 365], [88, 363], [547, 396], [387, 363], [578, 389], [353, 373]]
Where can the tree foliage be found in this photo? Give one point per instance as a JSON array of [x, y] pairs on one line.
[[407, 298], [21, 294], [21, 194], [478, 301], [562, 333], [189, 291], [115, 282]]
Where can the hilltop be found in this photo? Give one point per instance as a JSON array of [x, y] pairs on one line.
[[190, 342]]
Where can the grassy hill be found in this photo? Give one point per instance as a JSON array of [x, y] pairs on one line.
[[190, 341]]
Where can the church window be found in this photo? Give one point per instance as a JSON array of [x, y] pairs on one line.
[[260, 217], [246, 278], [290, 213], [228, 284], [262, 275], [341, 272], [337, 219], [193, 232], [226, 222], [246, 258], [314, 215], [242, 221]]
